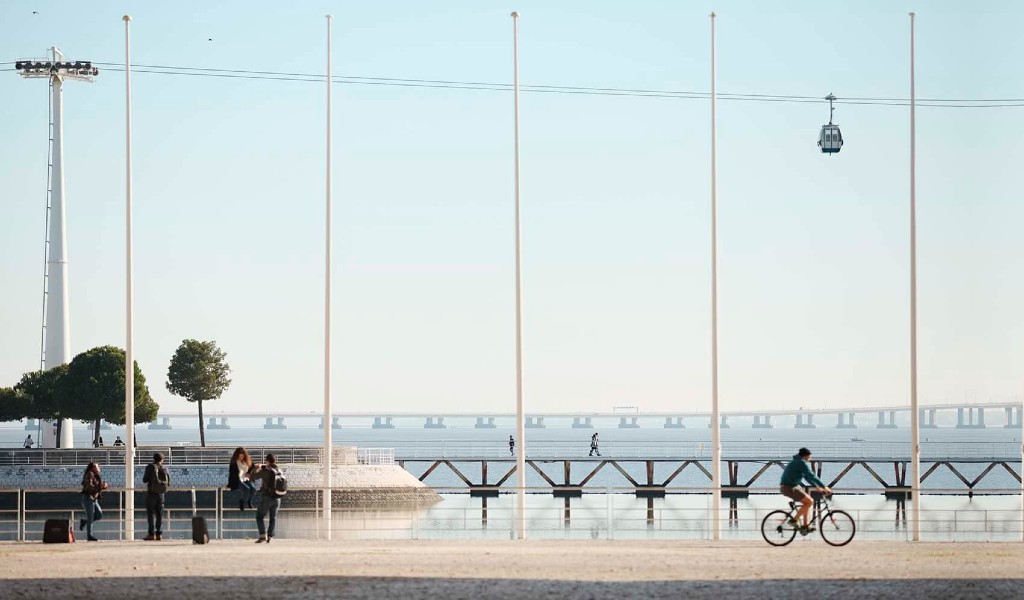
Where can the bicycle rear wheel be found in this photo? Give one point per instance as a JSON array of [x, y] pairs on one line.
[[837, 528], [776, 530]]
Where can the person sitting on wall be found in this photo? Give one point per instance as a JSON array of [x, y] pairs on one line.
[[118, 442], [28, 441]]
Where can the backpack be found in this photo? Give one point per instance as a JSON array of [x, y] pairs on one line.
[[160, 481], [279, 487]]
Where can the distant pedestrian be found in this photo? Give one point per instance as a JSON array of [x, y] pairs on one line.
[[593, 445], [511, 445], [100, 441], [157, 480], [270, 499], [28, 441], [92, 489], [118, 442], [239, 478]]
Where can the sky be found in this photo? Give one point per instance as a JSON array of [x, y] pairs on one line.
[[229, 201]]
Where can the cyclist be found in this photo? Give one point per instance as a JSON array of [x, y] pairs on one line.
[[796, 471]]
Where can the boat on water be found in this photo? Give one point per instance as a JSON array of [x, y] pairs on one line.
[[856, 439]]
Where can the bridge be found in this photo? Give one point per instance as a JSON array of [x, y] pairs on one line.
[[931, 416]]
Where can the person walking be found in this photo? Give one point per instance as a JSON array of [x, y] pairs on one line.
[[511, 445], [239, 479], [157, 480], [28, 441], [92, 489], [593, 445], [270, 499]]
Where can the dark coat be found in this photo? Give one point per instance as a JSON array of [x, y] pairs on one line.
[[92, 485], [234, 481]]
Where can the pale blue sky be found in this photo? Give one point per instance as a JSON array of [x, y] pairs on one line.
[[814, 250]]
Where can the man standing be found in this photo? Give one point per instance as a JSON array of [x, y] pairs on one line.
[[157, 480], [270, 499], [28, 441], [593, 445]]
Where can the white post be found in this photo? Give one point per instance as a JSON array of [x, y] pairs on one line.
[[129, 359], [716, 443], [915, 433], [520, 429], [58, 319], [328, 454]]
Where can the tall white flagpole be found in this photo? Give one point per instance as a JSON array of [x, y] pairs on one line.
[[328, 454], [915, 433], [716, 443], [129, 355], [520, 417]]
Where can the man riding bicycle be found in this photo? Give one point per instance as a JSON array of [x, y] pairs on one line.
[[796, 471]]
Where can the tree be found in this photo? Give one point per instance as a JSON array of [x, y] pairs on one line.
[[41, 387], [94, 388], [198, 372], [14, 404]]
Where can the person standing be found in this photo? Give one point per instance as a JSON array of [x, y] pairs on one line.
[[157, 480], [511, 445], [593, 445], [92, 489], [270, 500], [238, 477], [28, 441]]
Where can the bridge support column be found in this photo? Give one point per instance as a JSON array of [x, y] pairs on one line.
[[674, 423], [214, 424], [435, 423], [535, 423], [383, 423], [975, 418], [845, 421], [31, 424], [582, 423], [628, 423], [1011, 419], [723, 425], [763, 422], [484, 423], [104, 426], [804, 421], [926, 419], [886, 419], [160, 424]]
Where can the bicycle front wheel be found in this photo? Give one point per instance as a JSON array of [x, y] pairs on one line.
[[776, 530], [837, 528]]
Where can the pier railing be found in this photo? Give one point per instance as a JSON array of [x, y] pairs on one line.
[[614, 514]]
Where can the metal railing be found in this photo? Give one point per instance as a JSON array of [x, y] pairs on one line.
[[614, 514], [173, 455]]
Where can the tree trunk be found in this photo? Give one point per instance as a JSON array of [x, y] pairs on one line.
[[202, 426], [96, 434]]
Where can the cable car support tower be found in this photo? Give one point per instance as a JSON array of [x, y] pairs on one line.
[[56, 330]]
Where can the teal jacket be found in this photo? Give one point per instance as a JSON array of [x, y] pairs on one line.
[[798, 470]]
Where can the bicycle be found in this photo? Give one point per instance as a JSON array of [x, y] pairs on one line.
[[837, 527]]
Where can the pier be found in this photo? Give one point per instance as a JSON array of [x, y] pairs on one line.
[[958, 416]]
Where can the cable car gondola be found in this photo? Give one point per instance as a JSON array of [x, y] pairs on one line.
[[830, 140]]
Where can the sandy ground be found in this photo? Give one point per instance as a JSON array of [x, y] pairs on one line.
[[531, 569]]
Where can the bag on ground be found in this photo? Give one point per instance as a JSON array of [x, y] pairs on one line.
[[58, 531], [200, 534]]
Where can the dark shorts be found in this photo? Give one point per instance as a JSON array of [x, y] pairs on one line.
[[794, 494]]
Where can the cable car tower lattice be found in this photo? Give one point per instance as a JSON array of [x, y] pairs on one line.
[[56, 330]]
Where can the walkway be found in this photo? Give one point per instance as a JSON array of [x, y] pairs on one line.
[[534, 569]]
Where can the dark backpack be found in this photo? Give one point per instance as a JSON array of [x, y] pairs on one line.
[[279, 487], [160, 481]]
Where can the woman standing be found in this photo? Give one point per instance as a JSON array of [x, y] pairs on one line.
[[92, 489], [239, 479]]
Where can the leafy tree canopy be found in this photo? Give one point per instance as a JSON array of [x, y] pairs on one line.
[[94, 388], [198, 371], [14, 405], [41, 389]]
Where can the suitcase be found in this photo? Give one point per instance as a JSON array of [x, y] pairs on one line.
[[58, 531], [200, 535]]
